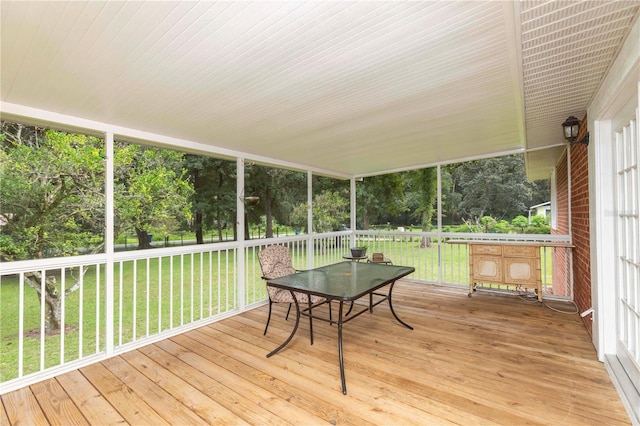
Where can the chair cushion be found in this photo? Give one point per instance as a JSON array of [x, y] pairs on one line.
[[275, 262]]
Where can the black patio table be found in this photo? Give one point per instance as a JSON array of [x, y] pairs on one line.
[[342, 282]]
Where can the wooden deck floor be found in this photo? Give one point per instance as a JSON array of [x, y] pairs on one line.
[[482, 360]]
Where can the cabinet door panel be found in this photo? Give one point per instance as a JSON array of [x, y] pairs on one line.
[[521, 270], [487, 268]]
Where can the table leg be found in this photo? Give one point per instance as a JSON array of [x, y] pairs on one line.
[[350, 309], [310, 319], [295, 328], [340, 354], [394, 312]]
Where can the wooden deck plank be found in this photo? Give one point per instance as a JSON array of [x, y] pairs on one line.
[[155, 396], [198, 402], [22, 408], [257, 406], [4, 418], [489, 360], [227, 396], [322, 375], [56, 404], [133, 408], [93, 405]]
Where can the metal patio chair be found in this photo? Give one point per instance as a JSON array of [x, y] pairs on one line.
[[275, 262]]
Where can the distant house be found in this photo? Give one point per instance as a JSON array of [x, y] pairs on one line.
[[542, 209]]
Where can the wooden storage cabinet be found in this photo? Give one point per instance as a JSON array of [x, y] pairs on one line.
[[507, 264]]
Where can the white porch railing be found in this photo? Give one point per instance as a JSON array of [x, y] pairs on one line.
[[161, 292], [438, 262]]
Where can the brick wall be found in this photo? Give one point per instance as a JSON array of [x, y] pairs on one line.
[[580, 230], [579, 223]]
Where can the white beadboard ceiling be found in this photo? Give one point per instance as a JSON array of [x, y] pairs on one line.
[[351, 88]]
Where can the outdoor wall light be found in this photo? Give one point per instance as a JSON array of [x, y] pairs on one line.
[[571, 127]]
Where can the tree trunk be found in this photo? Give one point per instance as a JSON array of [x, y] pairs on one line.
[[426, 241], [367, 220], [52, 298], [198, 225], [53, 313], [219, 222], [235, 230], [246, 227], [197, 220], [269, 214], [143, 239]]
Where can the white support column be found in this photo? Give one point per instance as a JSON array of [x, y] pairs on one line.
[[353, 211], [439, 213], [310, 248], [240, 259], [109, 243]]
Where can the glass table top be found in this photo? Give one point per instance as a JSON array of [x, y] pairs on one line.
[[345, 280]]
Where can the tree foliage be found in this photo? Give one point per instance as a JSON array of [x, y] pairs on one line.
[[151, 190], [53, 200], [214, 197], [52, 193], [424, 185], [495, 187], [279, 190], [378, 196], [330, 212]]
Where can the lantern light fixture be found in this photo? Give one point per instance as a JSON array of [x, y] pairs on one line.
[[571, 128]]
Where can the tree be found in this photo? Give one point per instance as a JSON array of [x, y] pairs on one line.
[[152, 190], [214, 196], [279, 190], [451, 195], [52, 191], [330, 210], [495, 187], [51, 186], [424, 184], [379, 195]]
